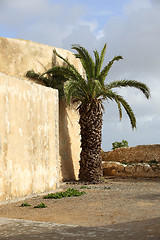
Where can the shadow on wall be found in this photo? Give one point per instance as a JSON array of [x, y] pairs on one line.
[[67, 168]]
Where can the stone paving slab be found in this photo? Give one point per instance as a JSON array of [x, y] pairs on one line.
[[13, 229]]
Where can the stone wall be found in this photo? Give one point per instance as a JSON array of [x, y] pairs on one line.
[[131, 170], [138, 154], [19, 56], [29, 138]]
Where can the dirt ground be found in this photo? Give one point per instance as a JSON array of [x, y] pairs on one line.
[[114, 201]]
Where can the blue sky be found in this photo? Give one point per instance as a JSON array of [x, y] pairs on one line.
[[131, 28]]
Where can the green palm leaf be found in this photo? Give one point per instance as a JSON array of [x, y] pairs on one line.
[[86, 60], [130, 83], [97, 63], [121, 101], [102, 58], [70, 66], [104, 72]]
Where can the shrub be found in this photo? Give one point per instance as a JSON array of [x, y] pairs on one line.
[[119, 144]]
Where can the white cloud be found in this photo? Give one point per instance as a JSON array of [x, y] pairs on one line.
[[136, 5], [41, 20], [100, 34], [91, 24]]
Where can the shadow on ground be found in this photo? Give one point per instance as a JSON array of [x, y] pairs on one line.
[[12, 229]]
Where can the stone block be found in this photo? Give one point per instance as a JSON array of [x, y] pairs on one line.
[[130, 169], [146, 167]]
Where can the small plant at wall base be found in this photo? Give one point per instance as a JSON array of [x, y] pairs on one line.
[[123, 143], [70, 192], [25, 204], [41, 205], [89, 92]]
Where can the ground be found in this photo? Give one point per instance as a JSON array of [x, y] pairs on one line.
[[115, 201]]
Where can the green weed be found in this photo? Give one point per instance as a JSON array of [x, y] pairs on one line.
[[41, 205], [107, 188], [71, 192], [25, 204], [85, 187]]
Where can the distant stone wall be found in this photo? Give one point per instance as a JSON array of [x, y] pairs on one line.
[[138, 154], [132, 170]]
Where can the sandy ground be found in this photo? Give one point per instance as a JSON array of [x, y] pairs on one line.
[[114, 201]]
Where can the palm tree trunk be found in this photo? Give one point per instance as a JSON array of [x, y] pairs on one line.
[[91, 129]]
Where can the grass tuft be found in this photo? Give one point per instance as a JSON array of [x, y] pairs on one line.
[[71, 192], [107, 188], [85, 187], [41, 205], [25, 204]]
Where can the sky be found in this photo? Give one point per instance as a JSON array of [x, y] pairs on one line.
[[131, 28]]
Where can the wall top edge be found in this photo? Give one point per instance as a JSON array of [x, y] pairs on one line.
[[8, 77], [33, 43]]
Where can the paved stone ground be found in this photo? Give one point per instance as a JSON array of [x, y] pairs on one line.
[[12, 229]]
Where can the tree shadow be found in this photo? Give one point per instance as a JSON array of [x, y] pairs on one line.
[[65, 152], [67, 168]]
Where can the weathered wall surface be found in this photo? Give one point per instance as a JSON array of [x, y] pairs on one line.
[[19, 56], [29, 147], [138, 154]]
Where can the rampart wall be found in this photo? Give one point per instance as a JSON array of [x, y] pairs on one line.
[[139, 161], [138, 154], [39, 135], [29, 138], [19, 56]]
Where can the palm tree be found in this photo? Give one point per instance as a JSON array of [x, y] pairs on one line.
[[89, 92]]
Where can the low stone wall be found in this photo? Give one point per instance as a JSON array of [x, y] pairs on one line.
[[132, 170], [138, 154]]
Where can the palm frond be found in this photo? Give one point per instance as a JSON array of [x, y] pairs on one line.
[[62, 71], [85, 59], [128, 110], [130, 83], [32, 74], [120, 100], [73, 90], [119, 109], [68, 63], [97, 62], [96, 87], [106, 69], [103, 52]]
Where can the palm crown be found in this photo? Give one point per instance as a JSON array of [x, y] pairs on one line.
[[92, 86]]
